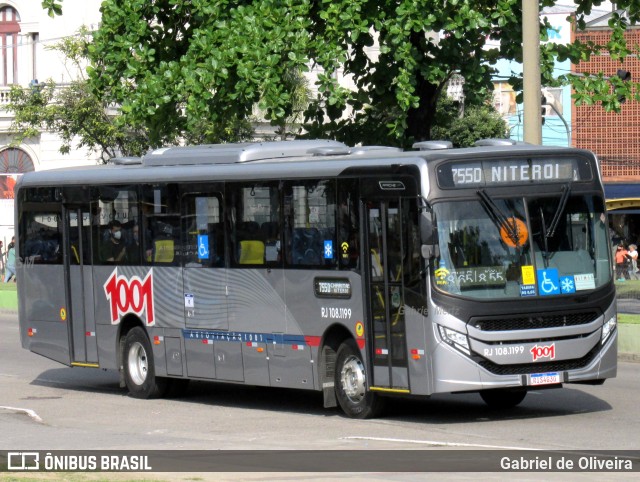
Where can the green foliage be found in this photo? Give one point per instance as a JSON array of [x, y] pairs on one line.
[[175, 66], [73, 111], [53, 7], [196, 69], [478, 122]]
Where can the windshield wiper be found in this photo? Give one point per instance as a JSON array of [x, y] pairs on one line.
[[566, 191], [499, 217], [545, 253]]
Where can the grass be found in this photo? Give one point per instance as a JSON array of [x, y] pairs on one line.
[[628, 319], [10, 286]]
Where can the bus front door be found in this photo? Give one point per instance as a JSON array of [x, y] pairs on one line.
[[385, 293], [79, 314]]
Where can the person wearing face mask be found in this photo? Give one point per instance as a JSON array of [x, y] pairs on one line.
[[113, 250]]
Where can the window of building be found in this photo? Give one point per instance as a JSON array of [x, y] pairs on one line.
[[9, 30]]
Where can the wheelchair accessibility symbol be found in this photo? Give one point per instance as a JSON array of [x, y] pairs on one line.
[[203, 246], [548, 282]]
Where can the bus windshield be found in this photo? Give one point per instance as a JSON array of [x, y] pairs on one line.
[[521, 247]]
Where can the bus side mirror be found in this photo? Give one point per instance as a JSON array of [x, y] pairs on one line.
[[430, 251], [430, 247]]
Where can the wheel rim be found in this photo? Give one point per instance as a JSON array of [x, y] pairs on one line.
[[353, 380], [138, 363]]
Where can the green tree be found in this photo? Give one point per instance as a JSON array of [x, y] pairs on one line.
[[479, 121], [176, 65]]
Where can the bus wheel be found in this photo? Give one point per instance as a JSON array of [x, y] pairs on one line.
[[503, 397], [139, 372], [351, 384]]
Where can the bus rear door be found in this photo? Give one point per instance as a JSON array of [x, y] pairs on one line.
[[79, 284]]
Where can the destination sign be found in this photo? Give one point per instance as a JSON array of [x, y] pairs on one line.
[[509, 171], [332, 287]]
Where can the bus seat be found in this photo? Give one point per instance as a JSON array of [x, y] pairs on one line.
[[247, 230], [163, 250], [270, 230], [251, 252]]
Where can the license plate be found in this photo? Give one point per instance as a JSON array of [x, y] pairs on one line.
[[544, 378]]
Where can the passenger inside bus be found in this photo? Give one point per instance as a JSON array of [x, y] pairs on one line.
[[114, 250]]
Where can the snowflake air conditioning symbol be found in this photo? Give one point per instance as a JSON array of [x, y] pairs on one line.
[[567, 284], [328, 249]]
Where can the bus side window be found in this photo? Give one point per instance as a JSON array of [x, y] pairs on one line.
[[310, 211], [42, 243], [165, 236], [114, 212], [348, 221], [255, 224], [161, 224], [202, 230]]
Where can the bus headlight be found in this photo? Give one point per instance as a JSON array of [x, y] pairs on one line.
[[608, 328], [455, 339]]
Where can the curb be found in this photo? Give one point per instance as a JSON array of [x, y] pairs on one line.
[[629, 357]]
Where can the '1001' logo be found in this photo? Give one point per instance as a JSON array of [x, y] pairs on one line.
[[130, 296], [543, 351]]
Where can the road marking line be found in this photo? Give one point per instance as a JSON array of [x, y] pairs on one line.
[[436, 443], [26, 411]]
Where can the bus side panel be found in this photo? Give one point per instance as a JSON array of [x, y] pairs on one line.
[[162, 307], [43, 311], [107, 338], [418, 354], [311, 315], [256, 365], [200, 358], [256, 312]]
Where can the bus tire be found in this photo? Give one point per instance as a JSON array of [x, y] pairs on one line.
[[502, 398], [139, 371], [351, 384]]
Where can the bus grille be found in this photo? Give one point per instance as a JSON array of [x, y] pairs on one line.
[[553, 366], [533, 322]]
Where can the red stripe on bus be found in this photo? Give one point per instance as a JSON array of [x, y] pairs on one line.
[[312, 340]]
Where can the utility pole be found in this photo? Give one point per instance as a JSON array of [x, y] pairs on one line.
[[531, 71]]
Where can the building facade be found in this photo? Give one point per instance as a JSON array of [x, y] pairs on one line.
[[613, 136], [26, 35]]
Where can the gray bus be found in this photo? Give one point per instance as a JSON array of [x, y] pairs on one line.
[[363, 273]]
